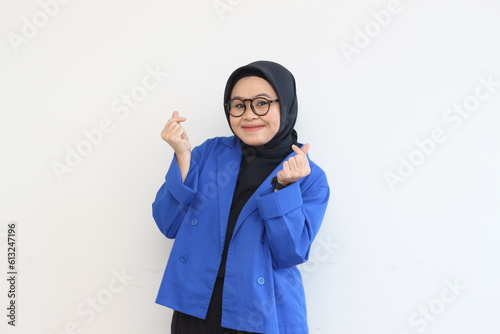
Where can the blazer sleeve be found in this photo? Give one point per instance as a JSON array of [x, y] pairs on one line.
[[292, 217], [173, 198]]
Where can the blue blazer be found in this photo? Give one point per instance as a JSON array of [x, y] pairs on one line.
[[263, 289]]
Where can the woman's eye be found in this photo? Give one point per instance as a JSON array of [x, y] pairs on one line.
[[261, 103], [239, 106]]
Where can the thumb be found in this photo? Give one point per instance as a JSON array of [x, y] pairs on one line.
[[305, 148], [175, 114]]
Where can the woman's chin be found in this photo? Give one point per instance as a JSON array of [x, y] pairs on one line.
[[254, 141]]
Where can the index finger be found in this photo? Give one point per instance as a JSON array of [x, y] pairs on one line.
[[175, 114], [303, 150]]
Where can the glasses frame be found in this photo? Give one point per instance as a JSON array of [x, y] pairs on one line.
[[226, 105]]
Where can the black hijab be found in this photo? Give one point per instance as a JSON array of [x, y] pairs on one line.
[[283, 84], [259, 161]]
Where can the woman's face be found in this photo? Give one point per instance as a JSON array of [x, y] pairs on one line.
[[255, 130]]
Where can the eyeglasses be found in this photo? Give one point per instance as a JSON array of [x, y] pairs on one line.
[[237, 107]]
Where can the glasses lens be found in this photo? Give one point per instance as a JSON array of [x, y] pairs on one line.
[[261, 106], [236, 107]]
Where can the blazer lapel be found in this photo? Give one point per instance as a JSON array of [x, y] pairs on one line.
[[251, 204]]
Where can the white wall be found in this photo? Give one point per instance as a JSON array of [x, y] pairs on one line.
[[419, 256]]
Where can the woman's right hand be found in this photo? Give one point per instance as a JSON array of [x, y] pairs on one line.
[[175, 135]]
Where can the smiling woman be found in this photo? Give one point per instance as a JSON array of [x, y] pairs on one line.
[[232, 268]]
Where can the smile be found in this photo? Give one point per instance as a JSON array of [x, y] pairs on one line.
[[251, 128]]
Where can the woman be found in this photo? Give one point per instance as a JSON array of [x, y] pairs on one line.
[[243, 211]]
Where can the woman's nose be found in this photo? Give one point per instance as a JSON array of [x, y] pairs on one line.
[[249, 114]]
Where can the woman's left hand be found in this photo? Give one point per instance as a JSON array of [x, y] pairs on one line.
[[296, 167]]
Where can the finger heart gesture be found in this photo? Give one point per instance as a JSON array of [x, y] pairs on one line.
[[296, 167], [175, 135]]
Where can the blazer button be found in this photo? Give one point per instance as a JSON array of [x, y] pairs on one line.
[[194, 221], [261, 281], [183, 258]]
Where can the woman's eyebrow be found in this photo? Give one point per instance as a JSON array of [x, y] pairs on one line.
[[240, 98]]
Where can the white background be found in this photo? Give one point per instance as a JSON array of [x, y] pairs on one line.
[[385, 256]]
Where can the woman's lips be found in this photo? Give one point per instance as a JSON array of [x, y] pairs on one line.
[[252, 128]]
